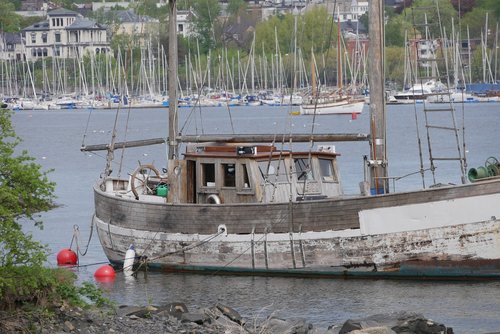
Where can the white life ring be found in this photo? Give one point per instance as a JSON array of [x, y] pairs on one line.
[[213, 199]]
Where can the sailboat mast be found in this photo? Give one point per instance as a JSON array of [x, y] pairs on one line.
[[339, 54], [378, 154], [173, 146]]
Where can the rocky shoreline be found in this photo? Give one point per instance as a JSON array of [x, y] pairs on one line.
[[176, 318]]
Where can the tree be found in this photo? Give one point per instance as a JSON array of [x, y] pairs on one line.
[[437, 19], [9, 20], [234, 7], [204, 21], [24, 191]]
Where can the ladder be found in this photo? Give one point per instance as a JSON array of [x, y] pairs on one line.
[[440, 119]]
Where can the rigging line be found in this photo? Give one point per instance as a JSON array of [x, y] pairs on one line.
[[189, 247], [87, 127], [413, 78], [264, 234], [197, 105], [122, 155]]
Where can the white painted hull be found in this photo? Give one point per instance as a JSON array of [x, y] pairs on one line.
[[342, 107]]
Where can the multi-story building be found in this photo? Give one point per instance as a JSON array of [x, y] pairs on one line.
[[10, 46], [64, 34]]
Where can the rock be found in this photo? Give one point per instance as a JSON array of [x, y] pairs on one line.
[[422, 326], [69, 326], [230, 313], [399, 322], [280, 326], [197, 318], [374, 330], [172, 309]]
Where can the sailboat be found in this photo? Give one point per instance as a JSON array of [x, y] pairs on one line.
[[238, 204], [337, 101]]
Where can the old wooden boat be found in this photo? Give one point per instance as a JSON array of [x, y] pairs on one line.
[[241, 205]]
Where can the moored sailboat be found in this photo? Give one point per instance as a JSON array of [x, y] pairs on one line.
[[239, 204]]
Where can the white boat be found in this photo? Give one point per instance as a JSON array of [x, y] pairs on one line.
[[342, 105], [418, 92], [238, 204]]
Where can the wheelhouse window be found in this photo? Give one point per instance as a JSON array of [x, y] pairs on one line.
[[327, 171], [246, 180], [208, 175], [229, 172], [273, 171], [303, 169]]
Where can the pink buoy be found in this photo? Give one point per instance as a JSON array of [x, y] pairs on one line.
[[105, 273], [66, 257]]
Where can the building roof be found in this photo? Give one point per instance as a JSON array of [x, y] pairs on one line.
[[84, 23], [12, 38], [62, 12], [128, 16], [39, 26]]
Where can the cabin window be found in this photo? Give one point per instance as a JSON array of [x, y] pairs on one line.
[[273, 171], [303, 169], [327, 171], [208, 175], [229, 171], [246, 180]]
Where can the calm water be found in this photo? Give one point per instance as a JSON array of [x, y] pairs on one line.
[[54, 139]]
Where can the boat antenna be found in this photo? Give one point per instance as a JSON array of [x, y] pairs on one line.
[[173, 145], [378, 152]]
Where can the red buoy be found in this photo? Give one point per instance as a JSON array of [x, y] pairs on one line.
[[105, 273], [66, 257]]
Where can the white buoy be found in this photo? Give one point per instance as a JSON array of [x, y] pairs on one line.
[[128, 262]]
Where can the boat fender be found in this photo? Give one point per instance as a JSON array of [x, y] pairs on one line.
[[213, 199], [128, 262], [222, 229]]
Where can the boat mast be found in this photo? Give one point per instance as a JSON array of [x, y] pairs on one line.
[[378, 153], [173, 145]]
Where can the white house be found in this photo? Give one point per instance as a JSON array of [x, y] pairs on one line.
[[64, 34]]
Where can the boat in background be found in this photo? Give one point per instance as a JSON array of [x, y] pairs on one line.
[[241, 204]]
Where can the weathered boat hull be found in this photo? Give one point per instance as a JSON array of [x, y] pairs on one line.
[[427, 234]]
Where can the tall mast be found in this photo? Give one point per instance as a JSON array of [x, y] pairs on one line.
[[378, 153], [173, 146], [339, 54]]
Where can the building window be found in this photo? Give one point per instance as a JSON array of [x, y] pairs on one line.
[[39, 52], [33, 52], [58, 51], [45, 52], [44, 37], [33, 38], [208, 175], [103, 50], [58, 37], [97, 50], [229, 172], [180, 27]]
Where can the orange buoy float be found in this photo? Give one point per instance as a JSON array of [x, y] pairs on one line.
[[105, 273], [67, 257]]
